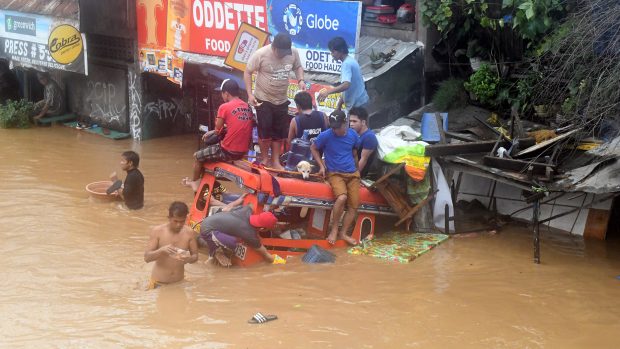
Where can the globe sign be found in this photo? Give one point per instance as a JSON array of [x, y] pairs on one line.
[[292, 19]]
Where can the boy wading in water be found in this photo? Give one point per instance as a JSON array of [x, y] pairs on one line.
[[171, 246], [132, 191]]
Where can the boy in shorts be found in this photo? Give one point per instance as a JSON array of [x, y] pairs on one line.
[[339, 145]]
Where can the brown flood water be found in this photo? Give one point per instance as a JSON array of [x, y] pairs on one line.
[[73, 274]]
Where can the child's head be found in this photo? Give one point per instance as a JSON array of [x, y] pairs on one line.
[[303, 101], [131, 159]]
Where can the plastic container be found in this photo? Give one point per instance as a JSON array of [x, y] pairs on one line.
[[316, 254], [98, 190], [430, 129]]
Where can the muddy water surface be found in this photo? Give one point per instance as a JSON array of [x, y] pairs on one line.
[[72, 273]]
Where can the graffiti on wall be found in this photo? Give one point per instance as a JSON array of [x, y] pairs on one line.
[[170, 110], [104, 102], [135, 107]]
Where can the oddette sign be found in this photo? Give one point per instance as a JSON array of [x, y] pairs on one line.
[[65, 44]]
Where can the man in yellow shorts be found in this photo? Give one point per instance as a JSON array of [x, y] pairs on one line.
[[171, 246], [339, 145]]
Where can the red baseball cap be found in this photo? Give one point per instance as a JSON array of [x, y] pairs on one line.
[[265, 220]]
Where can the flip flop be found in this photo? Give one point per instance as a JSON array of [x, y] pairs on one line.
[[114, 187], [259, 318]]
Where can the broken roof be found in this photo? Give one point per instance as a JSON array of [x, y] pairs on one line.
[[54, 8]]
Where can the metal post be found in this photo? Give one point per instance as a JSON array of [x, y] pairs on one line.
[[536, 232]]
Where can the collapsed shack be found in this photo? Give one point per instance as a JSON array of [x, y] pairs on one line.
[[562, 177]]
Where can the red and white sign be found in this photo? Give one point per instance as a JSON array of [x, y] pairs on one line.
[[214, 24]]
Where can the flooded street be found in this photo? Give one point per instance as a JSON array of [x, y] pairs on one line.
[[73, 273]]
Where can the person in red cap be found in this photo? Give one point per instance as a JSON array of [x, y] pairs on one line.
[[223, 228]]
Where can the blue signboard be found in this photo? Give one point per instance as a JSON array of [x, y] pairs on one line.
[[312, 23]]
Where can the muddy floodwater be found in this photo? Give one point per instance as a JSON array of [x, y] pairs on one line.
[[72, 273]]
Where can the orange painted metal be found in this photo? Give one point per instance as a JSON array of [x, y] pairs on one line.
[[258, 182]]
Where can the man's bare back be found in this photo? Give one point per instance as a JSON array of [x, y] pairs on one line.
[[171, 246]]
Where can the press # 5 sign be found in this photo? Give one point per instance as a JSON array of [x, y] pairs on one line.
[[65, 44]]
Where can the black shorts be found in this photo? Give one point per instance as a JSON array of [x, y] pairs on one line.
[[273, 120]]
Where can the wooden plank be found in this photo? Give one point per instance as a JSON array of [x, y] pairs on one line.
[[548, 142], [596, 224], [515, 165], [460, 137], [462, 148]]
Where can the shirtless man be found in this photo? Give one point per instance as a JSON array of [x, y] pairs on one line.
[[171, 246]]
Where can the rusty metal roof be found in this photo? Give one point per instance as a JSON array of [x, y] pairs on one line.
[[54, 8]]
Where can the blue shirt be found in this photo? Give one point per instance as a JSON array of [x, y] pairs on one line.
[[355, 95], [338, 150], [368, 141]]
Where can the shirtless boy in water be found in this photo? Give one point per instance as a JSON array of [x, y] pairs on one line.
[[171, 246]]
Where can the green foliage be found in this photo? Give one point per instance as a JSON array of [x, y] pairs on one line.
[[484, 84], [530, 18], [450, 95], [16, 114], [533, 18]]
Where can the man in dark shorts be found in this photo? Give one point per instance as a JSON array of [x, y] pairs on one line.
[[223, 228], [339, 145], [272, 65], [132, 190], [307, 119], [225, 144]]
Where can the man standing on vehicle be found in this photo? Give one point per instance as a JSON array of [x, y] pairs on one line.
[[351, 80], [272, 65], [339, 145]]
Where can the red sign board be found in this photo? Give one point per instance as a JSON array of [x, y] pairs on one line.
[[214, 24]]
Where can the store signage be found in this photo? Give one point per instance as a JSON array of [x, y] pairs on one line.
[[65, 44], [42, 42], [312, 23], [20, 25], [214, 24], [248, 40]]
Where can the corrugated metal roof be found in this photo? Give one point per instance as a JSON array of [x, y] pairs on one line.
[[54, 8], [367, 45], [202, 59]]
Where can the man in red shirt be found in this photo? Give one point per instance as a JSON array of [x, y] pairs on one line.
[[225, 143]]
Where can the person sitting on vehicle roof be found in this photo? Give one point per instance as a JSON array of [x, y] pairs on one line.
[[307, 119], [225, 144], [220, 231], [367, 147], [339, 145]]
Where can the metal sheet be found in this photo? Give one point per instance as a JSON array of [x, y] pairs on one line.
[[367, 44], [54, 8]]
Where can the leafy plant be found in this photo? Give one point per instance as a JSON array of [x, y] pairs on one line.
[[375, 57], [450, 95], [483, 84], [16, 114]]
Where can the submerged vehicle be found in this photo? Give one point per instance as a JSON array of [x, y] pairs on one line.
[[303, 207]]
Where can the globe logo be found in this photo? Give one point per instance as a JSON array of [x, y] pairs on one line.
[[292, 19]]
